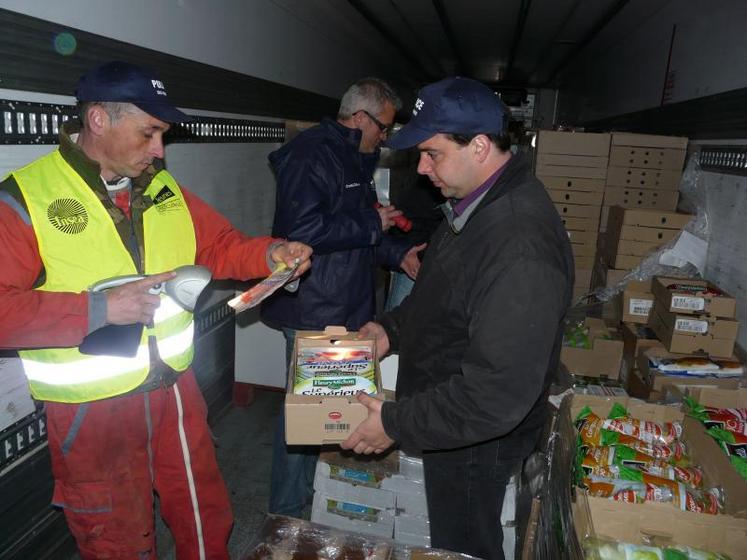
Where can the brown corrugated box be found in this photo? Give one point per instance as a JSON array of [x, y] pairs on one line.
[[571, 171], [318, 419], [702, 450], [603, 359], [578, 210], [579, 143], [649, 140], [636, 177], [677, 332], [646, 157], [637, 302], [652, 235], [572, 183], [572, 160], [575, 197], [655, 381], [636, 339], [580, 224], [682, 301], [629, 197], [654, 218]]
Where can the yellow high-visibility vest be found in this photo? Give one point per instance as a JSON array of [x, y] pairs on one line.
[[79, 245]]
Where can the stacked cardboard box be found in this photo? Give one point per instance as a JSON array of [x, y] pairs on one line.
[[694, 316], [573, 168], [634, 233], [644, 172]]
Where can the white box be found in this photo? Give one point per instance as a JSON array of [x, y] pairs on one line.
[[413, 504], [352, 517], [15, 399], [365, 495]]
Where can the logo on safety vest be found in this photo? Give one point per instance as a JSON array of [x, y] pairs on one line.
[[68, 215], [163, 195]]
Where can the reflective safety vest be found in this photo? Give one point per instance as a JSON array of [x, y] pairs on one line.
[[79, 245]]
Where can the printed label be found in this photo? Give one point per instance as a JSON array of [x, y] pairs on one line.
[[640, 307], [691, 326], [688, 303]]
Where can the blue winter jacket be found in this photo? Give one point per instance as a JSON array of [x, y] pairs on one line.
[[325, 198]]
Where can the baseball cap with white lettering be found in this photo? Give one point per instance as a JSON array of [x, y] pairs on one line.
[[126, 83], [452, 106]]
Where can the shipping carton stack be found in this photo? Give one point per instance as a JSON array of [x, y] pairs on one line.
[[573, 168], [694, 322], [644, 172]]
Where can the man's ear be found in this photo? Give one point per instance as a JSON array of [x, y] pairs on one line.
[[97, 120], [481, 145]]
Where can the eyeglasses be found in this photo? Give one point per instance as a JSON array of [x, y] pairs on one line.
[[386, 129]]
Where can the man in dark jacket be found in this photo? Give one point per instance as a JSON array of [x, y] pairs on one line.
[[479, 337], [326, 197]]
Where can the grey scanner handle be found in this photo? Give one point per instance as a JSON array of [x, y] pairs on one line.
[[117, 281]]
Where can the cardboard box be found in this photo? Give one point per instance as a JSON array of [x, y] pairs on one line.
[[649, 234], [636, 305], [580, 224], [573, 183], [582, 278], [626, 262], [688, 334], [571, 171], [584, 250], [588, 237], [703, 451], [655, 381], [579, 143], [648, 140], [719, 304], [646, 217], [628, 197], [319, 419], [658, 524], [583, 261], [604, 357], [647, 157], [577, 211], [575, 197], [636, 339], [719, 398], [572, 160], [636, 177]]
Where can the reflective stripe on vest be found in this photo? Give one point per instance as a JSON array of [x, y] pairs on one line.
[[79, 245]]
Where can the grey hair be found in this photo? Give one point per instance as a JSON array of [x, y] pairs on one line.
[[368, 94], [115, 109]]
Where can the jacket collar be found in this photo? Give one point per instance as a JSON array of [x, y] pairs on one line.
[[504, 184]]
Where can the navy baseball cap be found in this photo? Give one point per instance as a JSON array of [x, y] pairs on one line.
[[126, 83], [452, 106]]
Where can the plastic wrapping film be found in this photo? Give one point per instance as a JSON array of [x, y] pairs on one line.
[[693, 201], [551, 531], [287, 538]]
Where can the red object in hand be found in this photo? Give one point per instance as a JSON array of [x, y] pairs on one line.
[[401, 221]]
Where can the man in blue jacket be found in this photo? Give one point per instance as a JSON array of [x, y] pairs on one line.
[[326, 198]]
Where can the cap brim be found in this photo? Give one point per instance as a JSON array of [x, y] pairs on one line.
[[408, 136], [167, 113]]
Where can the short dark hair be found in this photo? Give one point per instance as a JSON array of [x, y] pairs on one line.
[[502, 141]]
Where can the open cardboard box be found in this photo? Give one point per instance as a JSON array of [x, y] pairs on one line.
[[655, 381], [603, 359], [320, 419], [687, 334], [667, 524]]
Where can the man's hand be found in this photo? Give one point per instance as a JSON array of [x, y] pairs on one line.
[[369, 437], [132, 302], [387, 215], [290, 252], [411, 263], [377, 332]]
